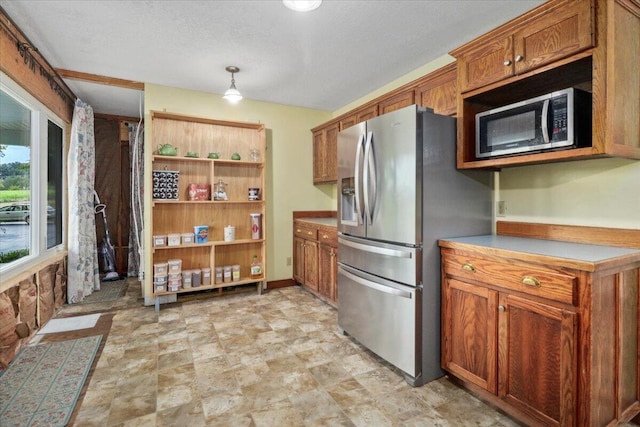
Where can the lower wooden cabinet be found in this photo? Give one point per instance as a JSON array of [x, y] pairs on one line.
[[305, 269], [315, 259], [537, 335], [328, 272], [537, 358]]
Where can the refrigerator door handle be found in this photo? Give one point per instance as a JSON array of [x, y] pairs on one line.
[[373, 166], [375, 249], [367, 167], [357, 180], [376, 286]]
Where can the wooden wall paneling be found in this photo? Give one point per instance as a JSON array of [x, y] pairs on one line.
[[112, 183]]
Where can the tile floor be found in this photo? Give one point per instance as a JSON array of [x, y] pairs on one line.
[[249, 360]]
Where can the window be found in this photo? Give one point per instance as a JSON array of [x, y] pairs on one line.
[[31, 179]]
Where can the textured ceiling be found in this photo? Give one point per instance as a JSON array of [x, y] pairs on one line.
[[322, 60]]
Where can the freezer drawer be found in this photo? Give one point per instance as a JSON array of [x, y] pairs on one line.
[[399, 263], [383, 316]]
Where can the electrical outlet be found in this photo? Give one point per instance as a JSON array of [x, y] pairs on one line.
[[288, 260], [501, 209]]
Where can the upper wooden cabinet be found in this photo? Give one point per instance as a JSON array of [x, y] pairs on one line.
[[588, 44], [439, 91], [436, 90], [397, 101], [358, 116], [551, 32], [325, 156]]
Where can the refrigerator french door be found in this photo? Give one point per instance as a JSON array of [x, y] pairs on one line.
[[380, 178], [380, 236], [398, 193]]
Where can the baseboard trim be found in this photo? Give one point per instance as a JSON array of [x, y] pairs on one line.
[[275, 284]]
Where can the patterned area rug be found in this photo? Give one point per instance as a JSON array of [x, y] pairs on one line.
[[41, 386], [109, 291]]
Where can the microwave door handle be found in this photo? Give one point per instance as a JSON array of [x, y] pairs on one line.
[[358, 180], [545, 121], [366, 180]]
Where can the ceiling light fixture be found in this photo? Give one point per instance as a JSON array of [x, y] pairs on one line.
[[232, 94], [302, 5]]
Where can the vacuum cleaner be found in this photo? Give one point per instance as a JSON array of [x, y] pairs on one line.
[[106, 251]]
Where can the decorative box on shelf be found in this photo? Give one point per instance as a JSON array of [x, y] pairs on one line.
[[165, 184], [199, 192]]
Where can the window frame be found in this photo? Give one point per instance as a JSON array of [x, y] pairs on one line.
[[38, 176]]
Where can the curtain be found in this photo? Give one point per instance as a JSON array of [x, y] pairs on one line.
[[83, 276], [136, 156]]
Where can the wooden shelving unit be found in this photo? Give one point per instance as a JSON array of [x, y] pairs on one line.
[[171, 216]]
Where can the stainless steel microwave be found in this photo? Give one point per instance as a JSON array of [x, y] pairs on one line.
[[556, 120]]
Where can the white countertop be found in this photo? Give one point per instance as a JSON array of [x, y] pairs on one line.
[[332, 222], [552, 248]]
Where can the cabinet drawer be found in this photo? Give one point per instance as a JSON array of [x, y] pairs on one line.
[[329, 237], [532, 280], [305, 232]]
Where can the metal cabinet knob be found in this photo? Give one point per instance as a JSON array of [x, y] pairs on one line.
[[507, 63], [501, 308], [519, 58]]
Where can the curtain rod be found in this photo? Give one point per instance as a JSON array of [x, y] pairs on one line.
[[25, 48]]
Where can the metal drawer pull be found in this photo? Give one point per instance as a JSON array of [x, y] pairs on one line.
[[501, 308], [519, 58], [467, 266], [530, 281], [507, 63]]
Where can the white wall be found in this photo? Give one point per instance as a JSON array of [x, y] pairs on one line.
[[598, 192]]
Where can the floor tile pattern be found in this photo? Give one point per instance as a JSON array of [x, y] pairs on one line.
[[249, 360]]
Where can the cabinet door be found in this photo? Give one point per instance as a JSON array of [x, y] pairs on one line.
[[440, 93], [325, 154], [469, 332], [359, 116], [319, 150], [366, 113], [537, 361], [489, 63], [347, 122], [327, 271], [557, 34], [397, 101], [298, 260], [311, 265]]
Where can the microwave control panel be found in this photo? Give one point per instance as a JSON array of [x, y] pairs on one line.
[[559, 118]]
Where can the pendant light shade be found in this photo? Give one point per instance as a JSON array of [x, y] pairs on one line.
[[232, 94], [302, 5]]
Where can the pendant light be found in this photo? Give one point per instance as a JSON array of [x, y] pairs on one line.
[[302, 5], [232, 94]]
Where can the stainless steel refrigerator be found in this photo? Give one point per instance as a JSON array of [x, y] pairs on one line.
[[398, 193]]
